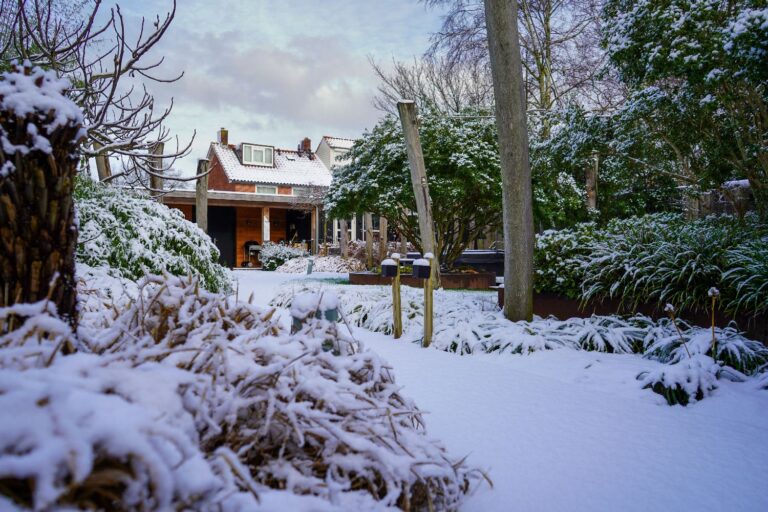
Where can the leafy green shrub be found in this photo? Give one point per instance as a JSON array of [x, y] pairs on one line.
[[747, 274], [659, 258], [134, 236], [685, 382], [557, 259], [274, 255]]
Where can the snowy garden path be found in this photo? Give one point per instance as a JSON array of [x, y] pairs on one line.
[[568, 431]]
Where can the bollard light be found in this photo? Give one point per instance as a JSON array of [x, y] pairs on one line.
[[389, 268], [422, 269]]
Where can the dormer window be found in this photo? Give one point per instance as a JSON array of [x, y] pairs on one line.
[[257, 155]]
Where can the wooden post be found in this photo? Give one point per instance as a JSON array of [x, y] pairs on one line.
[[265, 235], [591, 180], [382, 238], [343, 238], [396, 301], [511, 124], [102, 163], [407, 110], [201, 195], [428, 305], [156, 166], [315, 230], [368, 224]]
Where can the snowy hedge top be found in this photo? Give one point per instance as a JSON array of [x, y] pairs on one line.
[[28, 91]]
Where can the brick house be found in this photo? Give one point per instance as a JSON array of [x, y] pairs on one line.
[[259, 193]]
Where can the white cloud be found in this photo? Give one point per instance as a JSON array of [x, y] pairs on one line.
[[274, 72]]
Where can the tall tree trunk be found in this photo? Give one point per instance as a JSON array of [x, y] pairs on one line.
[[383, 245], [343, 238], [368, 221], [38, 163], [507, 71]]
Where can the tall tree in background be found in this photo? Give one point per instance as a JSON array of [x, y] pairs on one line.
[[107, 64], [560, 45], [517, 195], [434, 83]]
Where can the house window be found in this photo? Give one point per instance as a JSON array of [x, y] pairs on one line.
[[257, 155], [263, 189]]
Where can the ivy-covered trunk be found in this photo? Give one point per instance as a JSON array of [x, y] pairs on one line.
[[40, 131]]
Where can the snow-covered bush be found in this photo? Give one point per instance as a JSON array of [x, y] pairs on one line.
[[274, 255], [659, 258], [557, 259], [747, 274], [187, 399], [321, 264], [686, 381], [469, 323], [133, 235]]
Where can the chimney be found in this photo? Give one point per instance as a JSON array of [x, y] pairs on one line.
[[306, 146], [223, 137]]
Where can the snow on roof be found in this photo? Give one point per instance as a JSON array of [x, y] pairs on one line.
[[290, 168], [338, 142]]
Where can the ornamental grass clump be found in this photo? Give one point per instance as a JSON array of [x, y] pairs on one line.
[[182, 398]]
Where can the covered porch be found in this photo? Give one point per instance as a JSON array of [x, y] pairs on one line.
[[239, 224]]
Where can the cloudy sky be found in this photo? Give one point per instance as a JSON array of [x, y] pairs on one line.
[[275, 71]]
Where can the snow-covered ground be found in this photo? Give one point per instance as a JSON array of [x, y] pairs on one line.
[[572, 430]]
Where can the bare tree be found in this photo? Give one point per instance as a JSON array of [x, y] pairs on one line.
[[517, 196], [435, 81], [103, 62], [561, 54]]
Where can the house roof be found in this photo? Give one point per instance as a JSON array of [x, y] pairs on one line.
[[290, 168], [338, 142]]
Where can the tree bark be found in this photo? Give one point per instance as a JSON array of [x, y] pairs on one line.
[[368, 220], [407, 110], [517, 196], [383, 226], [201, 195], [343, 238], [38, 234]]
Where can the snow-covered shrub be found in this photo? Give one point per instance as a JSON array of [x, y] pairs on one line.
[[747, 274], [672, 261], [663, 343], [188, 399], [471, 322], [659, 258], [83, 433], [274, 255], [686, 381], [557, 259], [335, 264], [133, 235]]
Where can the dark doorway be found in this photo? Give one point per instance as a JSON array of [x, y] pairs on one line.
[[221, 229], [299, 228]]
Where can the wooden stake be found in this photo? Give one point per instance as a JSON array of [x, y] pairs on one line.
[[407, 110], [201, 195], [397, 303], [368, 221], [428, 306]]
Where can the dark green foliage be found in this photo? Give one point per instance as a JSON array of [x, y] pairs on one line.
[[135, 236], [659, 259]]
